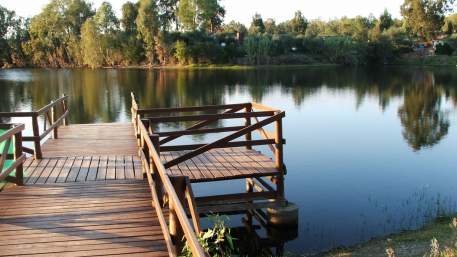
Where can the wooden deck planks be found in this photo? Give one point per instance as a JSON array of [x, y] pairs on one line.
[[80, 219], [82, 168], [222, 164], [93, 140]]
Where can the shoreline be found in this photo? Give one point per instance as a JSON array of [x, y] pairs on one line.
[[409, 243]]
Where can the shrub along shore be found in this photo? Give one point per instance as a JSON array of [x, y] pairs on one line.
[[162, 33]]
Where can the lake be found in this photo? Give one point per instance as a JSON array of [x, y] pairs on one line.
[[369, 151]]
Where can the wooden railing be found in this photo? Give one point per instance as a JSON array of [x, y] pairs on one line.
[[51, 116], [250, 112], [13, 135], [256, 117], [156, 174]]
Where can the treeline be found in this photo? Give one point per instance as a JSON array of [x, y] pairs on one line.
[[71, 33]]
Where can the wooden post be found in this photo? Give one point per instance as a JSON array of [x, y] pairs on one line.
[[144, 148], [155, 172], [55, 133], [176, 232], [36, 137], [17, 154], [65, 108], [247, 124], [279, 158]]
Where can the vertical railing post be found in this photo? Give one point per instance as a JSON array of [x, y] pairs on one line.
[[155, 171], [246, 124], [279, 158], [36, 137], [64, 108], [176, 232], [17, 154], [144, 147], [55, 133]]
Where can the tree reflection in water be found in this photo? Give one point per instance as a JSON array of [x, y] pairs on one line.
[[421, 115]]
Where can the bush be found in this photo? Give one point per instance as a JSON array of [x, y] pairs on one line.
[[444, 49]]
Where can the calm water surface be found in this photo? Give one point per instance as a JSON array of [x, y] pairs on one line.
[[369, 151]]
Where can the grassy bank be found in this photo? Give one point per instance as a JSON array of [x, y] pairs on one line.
[[416, 243], [438, 60]]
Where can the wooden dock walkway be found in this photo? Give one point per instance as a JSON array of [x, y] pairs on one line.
[[122, 189], [80, 219], [85, 197]]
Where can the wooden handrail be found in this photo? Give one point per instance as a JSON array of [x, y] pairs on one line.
[[192, 108], [221, 116], [14, 133], [51, 104], [50, 116], [178, 208]]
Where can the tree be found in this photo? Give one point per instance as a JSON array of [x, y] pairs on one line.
[[299, 23], [6, 23], [167, 13], [270, 26], [210, 15], [385, 20], [91, 44], [105, 19], [424, 17], [132, 47], [128, 20], [257, 25], [55, 33], [148, 26], [206, 15], [187, 14]]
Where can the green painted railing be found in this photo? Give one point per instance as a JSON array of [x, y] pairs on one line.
[[12, 157]]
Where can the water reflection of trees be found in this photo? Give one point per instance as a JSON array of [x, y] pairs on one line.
[[104, 95], [423, 119]]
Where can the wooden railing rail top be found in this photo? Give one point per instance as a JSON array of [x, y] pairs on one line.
[[214, 117], [143, 111]]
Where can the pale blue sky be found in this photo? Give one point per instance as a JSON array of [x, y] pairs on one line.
[[243, 10]]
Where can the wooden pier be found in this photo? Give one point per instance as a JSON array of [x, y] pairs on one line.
[[120, 189]]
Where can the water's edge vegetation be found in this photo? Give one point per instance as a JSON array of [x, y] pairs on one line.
[[437, 238], [72, 33]]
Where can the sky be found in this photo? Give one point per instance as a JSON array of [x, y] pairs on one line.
[[243, 10]]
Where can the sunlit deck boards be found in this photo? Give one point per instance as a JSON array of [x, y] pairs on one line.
[[92, 139], [222, 164], [80, 219], [87, 152], [82, 168]]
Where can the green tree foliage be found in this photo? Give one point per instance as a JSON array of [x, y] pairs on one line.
[[148, 25], [91, 44], [132, 47], [385, 20], [128, 20], [424, 17], [210, 15], [7, 22], [167, 13], [181, 53], [107, 22], [206, 15], [55, 33], [257, 25], [258, 49], [187, 14], [298, 24]]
